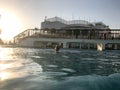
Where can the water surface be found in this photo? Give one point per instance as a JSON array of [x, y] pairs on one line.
[[43, 69]]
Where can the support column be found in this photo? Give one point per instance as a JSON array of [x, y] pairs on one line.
[[64, 45], [88, 46], [115, 46]]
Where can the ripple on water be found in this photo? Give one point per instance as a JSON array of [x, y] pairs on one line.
[[52, 66], [64, 56], [81, 70], [37, 57], [54, 73], [68, 70]]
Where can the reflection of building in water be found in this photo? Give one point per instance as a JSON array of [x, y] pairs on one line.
[[70, 34]]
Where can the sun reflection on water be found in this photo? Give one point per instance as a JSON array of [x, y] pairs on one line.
[[14, 65], [6, 71], [4, 75], [7, 63]]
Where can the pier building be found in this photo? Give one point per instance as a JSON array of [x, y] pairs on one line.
[[78, 34]]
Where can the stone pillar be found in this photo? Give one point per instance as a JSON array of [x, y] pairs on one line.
[[65, 45], [115, 46], [103, 46], [88, 46]]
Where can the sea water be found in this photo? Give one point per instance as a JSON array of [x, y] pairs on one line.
[[44, 69]]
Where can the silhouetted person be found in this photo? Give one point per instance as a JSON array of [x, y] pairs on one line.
[[57, 48]]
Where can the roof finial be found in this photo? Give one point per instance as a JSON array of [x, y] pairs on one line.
[[45, 18]]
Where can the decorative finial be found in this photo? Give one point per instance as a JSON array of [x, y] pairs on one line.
[[45, 18]]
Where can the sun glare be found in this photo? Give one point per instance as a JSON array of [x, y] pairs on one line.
[[9, 24]]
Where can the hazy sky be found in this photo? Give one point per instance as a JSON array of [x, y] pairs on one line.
[[32, 12]]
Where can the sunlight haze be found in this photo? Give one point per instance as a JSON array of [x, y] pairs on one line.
[[10, 25], [20, 15]]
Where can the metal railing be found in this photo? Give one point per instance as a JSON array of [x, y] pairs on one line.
[[110, 34]]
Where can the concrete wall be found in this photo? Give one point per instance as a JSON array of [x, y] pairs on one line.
[[29, 42]]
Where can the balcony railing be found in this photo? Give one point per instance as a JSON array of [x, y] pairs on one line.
[[70, 34]]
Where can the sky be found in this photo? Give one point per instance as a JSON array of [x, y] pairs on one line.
[[27, 14]]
